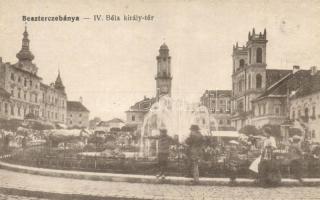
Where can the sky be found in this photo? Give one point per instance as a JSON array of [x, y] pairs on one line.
[[112, 64]]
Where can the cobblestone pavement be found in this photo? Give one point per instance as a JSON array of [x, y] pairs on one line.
[[21, 181], [15, 197]]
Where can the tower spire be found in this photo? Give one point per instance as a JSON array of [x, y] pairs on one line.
[[58, 83], [25, 53]]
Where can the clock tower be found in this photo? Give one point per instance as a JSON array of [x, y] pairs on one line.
[[163, 77]]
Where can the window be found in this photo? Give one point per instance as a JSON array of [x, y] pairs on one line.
[[220, 122], [80, 122], [70, 122], [25, 95], [6, 108], [19, 93], [314, 112], [12, 76], [19, 111], [313, 134], [228, 121], [12, 93], [56, 115], [70, 115], [241, 63], [12, 110], [30, 83], [259, 55], [25, 82], [80, 115], [19, 79], [299, 113], [36, 98], [258, 81], [293, 115], [249, 81], [133, 118], [277, 111]]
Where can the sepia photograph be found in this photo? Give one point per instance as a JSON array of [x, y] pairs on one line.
[[159, 99]]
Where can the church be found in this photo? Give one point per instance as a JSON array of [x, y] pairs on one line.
[[136, 113]]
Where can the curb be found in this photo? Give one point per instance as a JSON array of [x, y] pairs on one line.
[[146, 178]]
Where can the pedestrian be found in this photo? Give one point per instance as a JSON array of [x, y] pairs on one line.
[[164, 142], [295, 156], [195, 143], [233, 161], [269, 170]]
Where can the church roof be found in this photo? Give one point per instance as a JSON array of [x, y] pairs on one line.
[[290, 82], [309, 87], [274, 75], [76, 106]]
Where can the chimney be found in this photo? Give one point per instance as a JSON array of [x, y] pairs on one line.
[[80, 99], [313, 70], [295, 68]]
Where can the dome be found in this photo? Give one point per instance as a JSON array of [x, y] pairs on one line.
[[164, 46]]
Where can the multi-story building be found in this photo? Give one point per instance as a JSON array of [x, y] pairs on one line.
[[250, 77], [304, 104], [137, 112], [54, 102], [4, 103], [28, 95], [22, 82], [218, 103], [77, 115]]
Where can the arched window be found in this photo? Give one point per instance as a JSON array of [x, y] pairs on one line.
[[258, 81], [259, 55], [241, 63]]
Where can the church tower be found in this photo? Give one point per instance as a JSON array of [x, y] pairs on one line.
[[163, 77], [25, 56]]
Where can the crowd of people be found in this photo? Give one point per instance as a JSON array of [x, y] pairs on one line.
[[265, 165]]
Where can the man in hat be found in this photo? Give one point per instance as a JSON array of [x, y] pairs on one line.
[[164, 142], [195, 143]]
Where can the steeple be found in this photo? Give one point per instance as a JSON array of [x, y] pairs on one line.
[[58, 83], [25, 53]]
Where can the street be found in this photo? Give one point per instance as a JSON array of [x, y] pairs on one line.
[[13, 181]]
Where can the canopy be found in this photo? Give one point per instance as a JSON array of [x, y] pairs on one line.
[[225, 134]]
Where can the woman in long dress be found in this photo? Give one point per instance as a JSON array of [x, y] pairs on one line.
[[269, 170]]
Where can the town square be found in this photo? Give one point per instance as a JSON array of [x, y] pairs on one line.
[[177, 100]]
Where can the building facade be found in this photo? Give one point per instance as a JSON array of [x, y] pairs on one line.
[[77, 115], [304, 105], [28, 95], [250, 77], [218, 103]]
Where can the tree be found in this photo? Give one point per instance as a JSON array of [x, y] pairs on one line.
[[250, 130]]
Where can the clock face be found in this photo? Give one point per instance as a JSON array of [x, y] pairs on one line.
[[164, 89]]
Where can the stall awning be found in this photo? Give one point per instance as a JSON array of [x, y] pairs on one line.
[[225, 134]]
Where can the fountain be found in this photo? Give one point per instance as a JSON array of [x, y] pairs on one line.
[[174, 115]]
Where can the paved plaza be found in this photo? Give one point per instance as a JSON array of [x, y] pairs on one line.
[[121, 190]]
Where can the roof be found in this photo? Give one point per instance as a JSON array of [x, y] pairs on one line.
[[4, 93], [76, 106], [274, 75], [219, 93], [309, 87], [143, 105], [287, 84], [107, 123]]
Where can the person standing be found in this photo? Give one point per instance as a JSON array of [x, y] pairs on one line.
[[164, 142], [269, 172], [295, 155], [233, 160], [195, 143]]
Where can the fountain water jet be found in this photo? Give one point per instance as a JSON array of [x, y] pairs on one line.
[[174, 115]]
